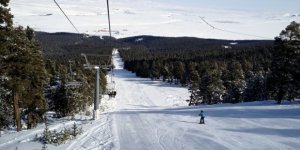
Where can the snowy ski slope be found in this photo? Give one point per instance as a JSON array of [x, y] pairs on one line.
[[153, 115], [146, 118]]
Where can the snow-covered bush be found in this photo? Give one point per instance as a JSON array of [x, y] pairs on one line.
[[57, 138]]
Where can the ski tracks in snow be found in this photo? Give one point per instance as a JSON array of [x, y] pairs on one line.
[[97, 135], [30, 135]]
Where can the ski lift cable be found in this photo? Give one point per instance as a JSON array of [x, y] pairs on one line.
[[66, 17], [108, 16], [228, 31], [202, 18]]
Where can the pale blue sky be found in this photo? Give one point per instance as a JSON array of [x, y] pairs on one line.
[[274, 6]]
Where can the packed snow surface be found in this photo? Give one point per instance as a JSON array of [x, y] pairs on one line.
[[230, 19], [154, 115]]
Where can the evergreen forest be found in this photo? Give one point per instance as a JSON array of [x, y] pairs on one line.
[[220, 71]]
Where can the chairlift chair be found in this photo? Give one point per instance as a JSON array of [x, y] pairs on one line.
[[72, 83], [111, 87]]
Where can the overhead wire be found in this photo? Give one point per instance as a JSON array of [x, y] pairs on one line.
[[228, 31], [110, 42], [108, 15], [202, 18], [66, 16]]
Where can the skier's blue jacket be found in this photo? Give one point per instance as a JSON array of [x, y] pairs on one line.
[[201, 114]]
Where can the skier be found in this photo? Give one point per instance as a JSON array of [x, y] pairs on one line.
[[202, 117]]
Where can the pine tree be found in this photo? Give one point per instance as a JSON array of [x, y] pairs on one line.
[[6, 109], [234, 82], [75, 130], [33, 98], [211, 86], [46, 134], [144, 69], [6, 18], [22, 64], [60, 101], [6, 30], [165, 71], [284, 81], [13, 67], [255, 87], [68, 100], [74, 98], [155, 70], [178, 71], [193, 87], [27, 74]]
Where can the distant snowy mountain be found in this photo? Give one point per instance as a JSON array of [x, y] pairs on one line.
[[159, 17]]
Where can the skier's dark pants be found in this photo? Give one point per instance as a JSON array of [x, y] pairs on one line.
[[202, 120]]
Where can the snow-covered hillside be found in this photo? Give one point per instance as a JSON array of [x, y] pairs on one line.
[[147, 116], [153, 115], [219, 19]]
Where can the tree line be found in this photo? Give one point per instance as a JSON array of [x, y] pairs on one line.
[[220, 71]]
